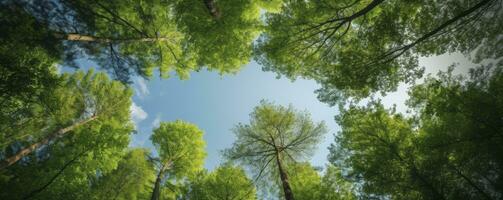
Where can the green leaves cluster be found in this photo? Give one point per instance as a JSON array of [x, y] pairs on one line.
[[180, 146], [449, 149], [80, 129], [225, 182], [356, 48], [307, 183]]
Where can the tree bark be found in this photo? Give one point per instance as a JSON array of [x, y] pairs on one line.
[[284, 179], [157, 187], [212, 8], [90, 38], [27, 150]]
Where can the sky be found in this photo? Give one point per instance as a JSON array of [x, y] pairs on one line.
[[216, 103]]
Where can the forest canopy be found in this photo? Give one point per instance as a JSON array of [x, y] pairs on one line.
[[66, 129]]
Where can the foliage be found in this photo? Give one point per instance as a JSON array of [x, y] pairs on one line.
[[225, 182], [307, 183], [137, 37], [180, 146], [51, 169], [27, 71], [449, 150], [222, 41], [275, 137], [131, 180], [354, 48]]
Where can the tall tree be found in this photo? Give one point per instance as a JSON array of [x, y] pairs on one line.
[[180, 146], [141, 36], [122, 37], [449, 148], [275, 137], [84, 138], [354, 48], [224, 183], [81, 100]]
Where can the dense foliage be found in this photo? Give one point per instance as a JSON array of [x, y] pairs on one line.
[[354, 48], [449, 149], [66, 135]]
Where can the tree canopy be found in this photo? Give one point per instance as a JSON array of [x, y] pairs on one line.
[[84, 120], [224, 183], [180, 146], [450, 148], [275, 137], [307, 183], [137, 37], [67, 133], [354, 48]]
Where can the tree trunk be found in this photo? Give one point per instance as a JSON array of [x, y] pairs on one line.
[[212, 8], [27, 150], [157, 187], [284, 179], [156, 193], [90, 38]]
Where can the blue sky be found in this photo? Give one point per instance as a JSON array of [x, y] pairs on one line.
[[216, 103]]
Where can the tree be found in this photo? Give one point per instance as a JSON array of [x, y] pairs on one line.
[[224, 183], [221, 32], [180, 146], [307, 183], [82, 100], [379, 150], [461, 130], [335, 186], [138, 37], [275, 137], [27, 71], [83, 135], [355, 48], [122, 37], [449, 148], [131, 179]]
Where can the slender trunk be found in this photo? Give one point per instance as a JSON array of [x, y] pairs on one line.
[[393, 54], [284, 179], [157, 187], [89, 38], [212, 8], [73, 160], [470, 182], [27, 150]]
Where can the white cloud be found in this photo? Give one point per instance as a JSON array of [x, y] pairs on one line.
[[137, 113], [156, 121], [141, 87]]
